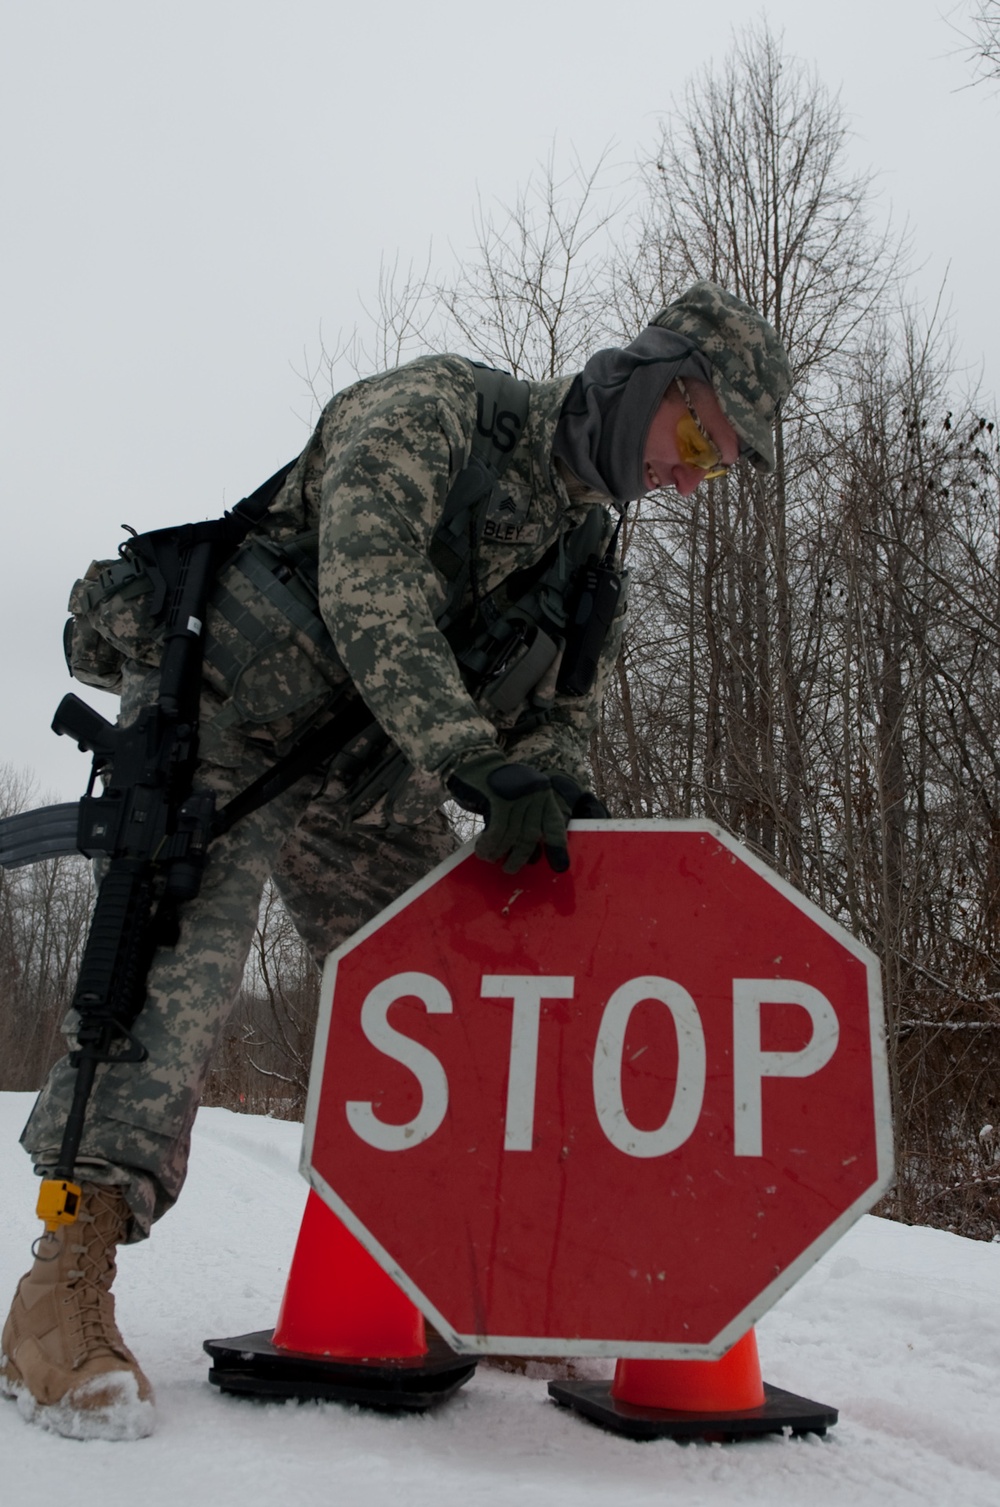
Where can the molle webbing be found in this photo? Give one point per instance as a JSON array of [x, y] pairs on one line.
[[139, 568], [501, 413], [125, 577], [263, 563]]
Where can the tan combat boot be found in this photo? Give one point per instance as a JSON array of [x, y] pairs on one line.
[[61, 1354]]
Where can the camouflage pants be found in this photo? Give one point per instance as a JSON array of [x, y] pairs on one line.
[[332, 878]]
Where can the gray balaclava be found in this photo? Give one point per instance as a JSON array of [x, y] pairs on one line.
[[601, 434], [707, 334]]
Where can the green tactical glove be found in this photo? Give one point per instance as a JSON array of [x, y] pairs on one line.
[[523, 814], [578, 804]]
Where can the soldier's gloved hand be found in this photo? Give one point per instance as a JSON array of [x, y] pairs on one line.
[[523, 814], [580, 805]]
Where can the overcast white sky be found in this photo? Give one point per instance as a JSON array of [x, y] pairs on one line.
[[189, 192]]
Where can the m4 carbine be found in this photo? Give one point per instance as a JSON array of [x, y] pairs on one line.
[[152, 831], [147, 824]]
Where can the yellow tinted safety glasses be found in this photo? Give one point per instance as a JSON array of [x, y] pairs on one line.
[[695, 445]]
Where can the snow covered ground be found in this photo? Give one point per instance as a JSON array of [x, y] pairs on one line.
[[898, 1328]]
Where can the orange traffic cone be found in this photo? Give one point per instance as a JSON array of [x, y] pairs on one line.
[[345, 1331], [694, 1399], [694, 1386], [338, 1301]]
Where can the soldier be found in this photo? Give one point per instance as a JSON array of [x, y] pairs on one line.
[[417, 589]]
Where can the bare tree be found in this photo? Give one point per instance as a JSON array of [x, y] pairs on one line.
[[44, 915], [534, 296], [403, 322], [748, 187], [981, 33], [813, 658]]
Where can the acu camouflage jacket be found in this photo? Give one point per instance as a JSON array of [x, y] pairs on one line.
[[373, 481]]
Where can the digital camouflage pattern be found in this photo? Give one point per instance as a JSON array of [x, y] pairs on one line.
[[374, 480], [751, 373], [371, 484]]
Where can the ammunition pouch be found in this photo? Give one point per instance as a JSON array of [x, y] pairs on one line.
[[109, 623], [268, 655], [524, 668]]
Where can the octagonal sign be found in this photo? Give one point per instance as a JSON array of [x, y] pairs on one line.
[[614, 1111]]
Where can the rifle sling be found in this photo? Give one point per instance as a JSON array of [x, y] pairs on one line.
[[309, 754]]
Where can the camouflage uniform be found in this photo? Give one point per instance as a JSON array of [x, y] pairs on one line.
[[372, 483]]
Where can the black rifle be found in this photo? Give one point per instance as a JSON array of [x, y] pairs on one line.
[[147, 822], [153, 830]]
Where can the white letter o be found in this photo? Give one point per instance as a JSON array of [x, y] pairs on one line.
[[608, 1053]]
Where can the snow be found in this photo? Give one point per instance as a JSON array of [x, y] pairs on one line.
[[898, 1328]]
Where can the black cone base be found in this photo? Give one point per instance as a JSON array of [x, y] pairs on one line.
[[249, 1365], [779, 1410]]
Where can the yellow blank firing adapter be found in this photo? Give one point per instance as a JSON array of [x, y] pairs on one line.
[[58, 1203]]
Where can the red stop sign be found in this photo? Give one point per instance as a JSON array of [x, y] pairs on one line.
[[619, 1110]]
